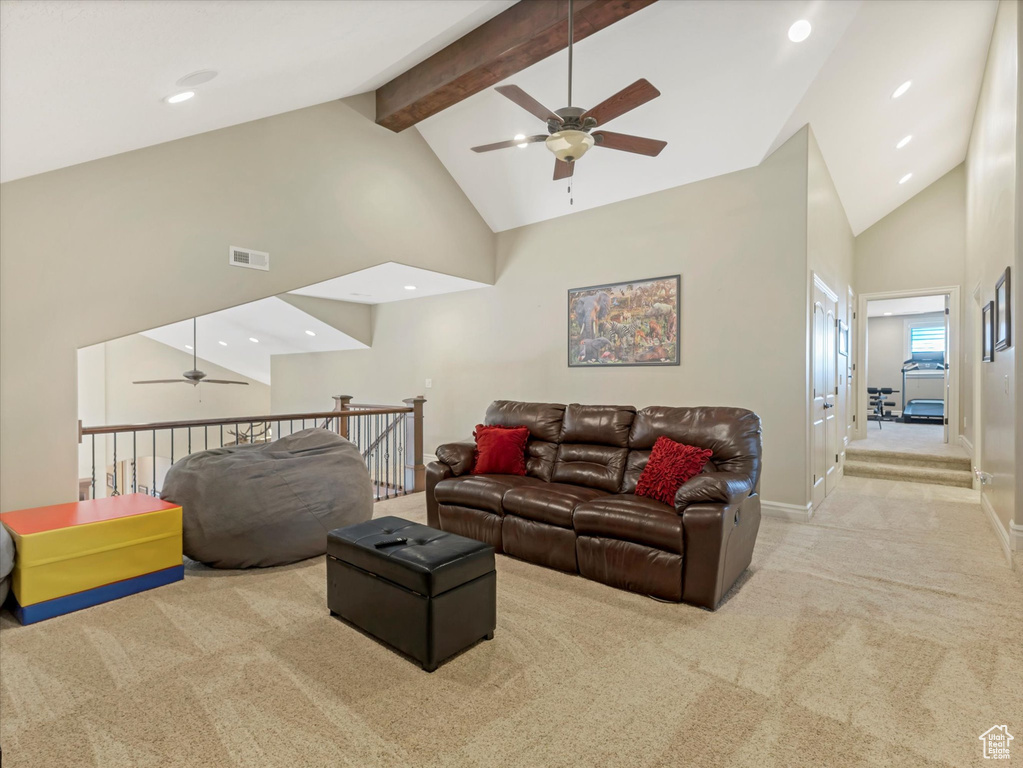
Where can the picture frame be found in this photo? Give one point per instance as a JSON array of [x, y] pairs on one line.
[[987, 332], [843, 338], [1003, 312], [628, 323]]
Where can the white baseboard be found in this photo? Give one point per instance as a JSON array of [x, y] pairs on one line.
[[794, 513], [1000, 532], [1016, 537], [967, 445]]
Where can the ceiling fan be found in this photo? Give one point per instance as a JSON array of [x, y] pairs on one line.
[[194, 376], [570, 129]]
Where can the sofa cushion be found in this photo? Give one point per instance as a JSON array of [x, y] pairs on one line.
[[732, 434], [594, 466], [671, 465], [500, 450], [481, 491], [540, 458], [543, 419], [630, 518], [553, 503], [598, 424]]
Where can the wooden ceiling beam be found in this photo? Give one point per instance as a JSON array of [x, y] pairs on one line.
[[528, 32]]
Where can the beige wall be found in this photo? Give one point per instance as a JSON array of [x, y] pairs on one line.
[[829, 252], [139, 240], [739, 242], [992, 179]]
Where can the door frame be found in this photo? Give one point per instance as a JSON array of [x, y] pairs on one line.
[[955, 329]]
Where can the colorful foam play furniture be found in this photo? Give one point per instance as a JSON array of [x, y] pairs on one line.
[[73, 556]]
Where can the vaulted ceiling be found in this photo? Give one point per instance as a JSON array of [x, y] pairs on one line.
[[81, 80]]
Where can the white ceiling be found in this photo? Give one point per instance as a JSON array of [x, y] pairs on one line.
[[385, 283], [941, 47], [279, 327], [81, 79], [729, 78], [913, 306]]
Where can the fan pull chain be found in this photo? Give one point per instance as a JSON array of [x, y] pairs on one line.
[[571, 200]]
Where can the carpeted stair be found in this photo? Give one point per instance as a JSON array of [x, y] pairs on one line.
[[909, 467]]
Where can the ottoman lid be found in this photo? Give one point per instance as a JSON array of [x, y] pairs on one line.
[[432, 562]]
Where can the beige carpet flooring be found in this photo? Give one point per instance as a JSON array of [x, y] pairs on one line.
[[887, 632], [909, 438]]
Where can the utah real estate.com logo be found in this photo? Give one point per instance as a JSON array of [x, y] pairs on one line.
[[996, 742]]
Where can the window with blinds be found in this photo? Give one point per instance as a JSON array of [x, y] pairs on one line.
[[927, 339]]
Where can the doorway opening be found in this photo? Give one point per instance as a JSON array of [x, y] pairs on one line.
[[909, 382]]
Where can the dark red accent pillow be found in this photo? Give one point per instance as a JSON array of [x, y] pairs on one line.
[[671, 464], [500, 450]]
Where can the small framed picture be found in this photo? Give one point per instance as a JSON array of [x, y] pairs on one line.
[[1003, 312], [987, 332], [843, 339]]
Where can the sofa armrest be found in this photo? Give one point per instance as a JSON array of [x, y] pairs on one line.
[[435, 472], [718, 547], [713, 488], [459, 456]]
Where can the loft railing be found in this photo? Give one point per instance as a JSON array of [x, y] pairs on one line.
[[135, 457]]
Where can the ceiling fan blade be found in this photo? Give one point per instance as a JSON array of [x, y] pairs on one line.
[[628, 143], [164, 381], [640, 92], [562, 170], [528, 103], [510, 143], [224, 381]]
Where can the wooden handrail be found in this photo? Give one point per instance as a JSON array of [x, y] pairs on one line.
[[112, 428]]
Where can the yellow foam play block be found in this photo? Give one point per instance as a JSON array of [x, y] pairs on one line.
[[71, 548]]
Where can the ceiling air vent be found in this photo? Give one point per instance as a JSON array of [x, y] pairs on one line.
[[246, 257]]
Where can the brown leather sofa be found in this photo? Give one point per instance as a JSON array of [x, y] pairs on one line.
[[576, 508]]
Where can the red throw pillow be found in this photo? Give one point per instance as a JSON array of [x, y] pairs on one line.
[[671, 464], [500, 450]]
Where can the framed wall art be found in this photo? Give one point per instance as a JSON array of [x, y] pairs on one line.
[[1003, 312], [629, 323], [987, 332]]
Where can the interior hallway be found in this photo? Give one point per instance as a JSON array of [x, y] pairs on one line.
[[884, 632], [894, 436]]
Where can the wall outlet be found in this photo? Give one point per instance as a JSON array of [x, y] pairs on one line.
[[429, 383]]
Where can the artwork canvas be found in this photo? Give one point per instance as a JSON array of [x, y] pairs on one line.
[[987, 332], [628, 323], [1003, 312]]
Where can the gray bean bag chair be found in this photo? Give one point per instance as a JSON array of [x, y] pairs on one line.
[[269, 504], [6, 562]]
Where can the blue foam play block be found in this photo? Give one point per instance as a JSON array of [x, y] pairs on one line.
[[47, 609]]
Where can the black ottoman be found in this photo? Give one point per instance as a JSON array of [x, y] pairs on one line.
[[430, 597]]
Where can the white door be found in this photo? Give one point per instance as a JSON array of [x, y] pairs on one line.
[[824, 417], [948, 378]]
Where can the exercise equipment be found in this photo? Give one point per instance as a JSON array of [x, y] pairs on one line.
[[879, 403], [923, 388]]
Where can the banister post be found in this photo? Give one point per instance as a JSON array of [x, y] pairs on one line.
[[341, 404], [415, 470]]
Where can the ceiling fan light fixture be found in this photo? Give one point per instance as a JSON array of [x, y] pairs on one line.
[[569, 145]]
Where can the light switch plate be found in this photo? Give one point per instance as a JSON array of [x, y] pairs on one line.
[[429, 383]]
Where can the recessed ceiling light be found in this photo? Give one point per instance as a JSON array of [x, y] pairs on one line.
[[904, 142], [188, 346], [196, 78], [310, 333], [177, 98], [410, 287], [520, 137], [905, 178], [253, 339], [799, 31], [222, 343], [887, 313], [902, 89]]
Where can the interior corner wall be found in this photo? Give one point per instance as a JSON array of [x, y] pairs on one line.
[[829, 255], [739, 243], [992, 219], [139, 240]]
